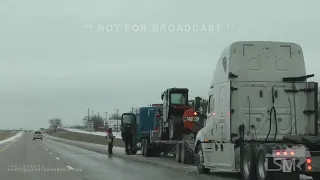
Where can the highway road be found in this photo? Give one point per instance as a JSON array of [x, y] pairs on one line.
[[25, 159]]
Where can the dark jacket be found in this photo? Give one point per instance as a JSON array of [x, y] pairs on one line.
[[127, 134]]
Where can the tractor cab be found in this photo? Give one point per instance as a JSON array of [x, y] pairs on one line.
[[128, 120], [175, 102]]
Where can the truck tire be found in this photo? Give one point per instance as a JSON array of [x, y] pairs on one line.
[[263, 174], [200, 156], [178, 153], [134, 151], [143, 150], [147, 150], [248, 155], [158, 153], [175, 128], [316, 176]]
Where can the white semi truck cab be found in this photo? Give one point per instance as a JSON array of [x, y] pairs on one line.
[[262, 114]]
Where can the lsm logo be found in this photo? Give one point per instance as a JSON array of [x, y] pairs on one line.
[[288, 160]]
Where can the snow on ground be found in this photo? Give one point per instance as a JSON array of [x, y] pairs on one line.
[[12, 138], [118, 135]]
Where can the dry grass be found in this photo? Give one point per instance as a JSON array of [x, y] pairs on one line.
[[6, 134], [83, 137]]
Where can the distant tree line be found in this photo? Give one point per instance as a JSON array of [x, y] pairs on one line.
[[115, 116]]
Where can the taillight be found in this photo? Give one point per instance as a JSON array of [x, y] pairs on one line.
[[284, 153], [309, 164]]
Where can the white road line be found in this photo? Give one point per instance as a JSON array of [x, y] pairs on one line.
[[57, 158], [46, 149], [51, 153]]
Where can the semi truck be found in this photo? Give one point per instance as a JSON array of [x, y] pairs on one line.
[[261, 120], [262, 117], [143, 119]]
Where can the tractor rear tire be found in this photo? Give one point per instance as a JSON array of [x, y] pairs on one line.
[[175, 128], [163, 135]]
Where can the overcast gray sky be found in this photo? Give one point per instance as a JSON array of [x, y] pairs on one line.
[[56, 61]]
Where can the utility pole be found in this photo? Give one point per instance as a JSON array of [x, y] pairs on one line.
[[106, 119], [132, 109], [88, 114], [117, 120], [98, 115]]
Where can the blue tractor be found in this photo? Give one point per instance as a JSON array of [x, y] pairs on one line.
[[143, 120]]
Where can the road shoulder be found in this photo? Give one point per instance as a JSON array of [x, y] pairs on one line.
[[119, 152]]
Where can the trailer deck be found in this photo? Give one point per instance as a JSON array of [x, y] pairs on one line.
[[183, 150]]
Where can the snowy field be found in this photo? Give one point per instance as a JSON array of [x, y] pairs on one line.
[[118, 135], [12, 138]]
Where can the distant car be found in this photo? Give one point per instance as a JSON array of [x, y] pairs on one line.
[[37, 135]]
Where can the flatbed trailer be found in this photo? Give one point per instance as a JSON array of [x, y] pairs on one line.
[[183, 150]]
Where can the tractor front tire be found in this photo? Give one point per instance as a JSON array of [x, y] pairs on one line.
[[175, 128]]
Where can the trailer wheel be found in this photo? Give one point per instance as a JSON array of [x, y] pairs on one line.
[[248, 162], [184, 154], [264, 162], [200, 161], [158, 153], [175, 128], [178, 153]]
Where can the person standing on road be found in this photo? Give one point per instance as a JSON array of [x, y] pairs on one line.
[[111, 138], [127, 137]]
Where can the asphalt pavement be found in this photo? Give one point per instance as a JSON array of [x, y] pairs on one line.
[[25, 159]]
